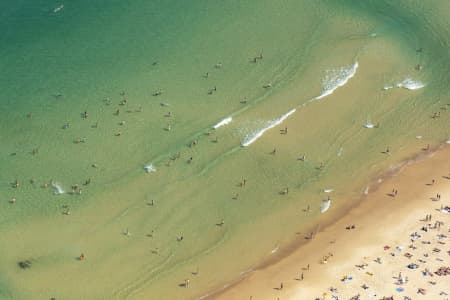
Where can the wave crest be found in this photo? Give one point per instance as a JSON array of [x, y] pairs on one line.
[[252, 137], [336, 78]]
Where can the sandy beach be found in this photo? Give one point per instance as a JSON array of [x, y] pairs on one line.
[[395, 243]]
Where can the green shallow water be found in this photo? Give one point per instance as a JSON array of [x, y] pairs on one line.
[[92, 56]]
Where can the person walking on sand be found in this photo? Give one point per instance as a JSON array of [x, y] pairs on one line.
[[281, 286]]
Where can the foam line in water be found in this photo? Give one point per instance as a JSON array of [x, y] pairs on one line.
[[149, 168], [58, 189], [223, 122], [408, 84], [257, 134], [448, 141], [336, 78]]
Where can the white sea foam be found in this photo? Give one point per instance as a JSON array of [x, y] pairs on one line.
[[328, 190], [223, 122], [58, 188], [408, 84], [369, 125], [325, 205], [58, 9], [448, 141], [252, 137], [149, 168], [333, 79], [336, 78], [275, 249]]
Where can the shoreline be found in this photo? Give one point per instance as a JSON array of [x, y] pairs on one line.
[[245, 281]]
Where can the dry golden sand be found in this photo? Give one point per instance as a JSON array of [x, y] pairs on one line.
[[380, 220]]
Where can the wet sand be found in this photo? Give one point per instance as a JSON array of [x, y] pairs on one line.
[[367, 260]]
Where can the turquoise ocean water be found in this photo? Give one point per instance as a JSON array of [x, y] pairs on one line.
[[93, 92]]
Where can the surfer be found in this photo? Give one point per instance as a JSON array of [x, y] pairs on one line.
[[16, 184], [75, 188], [243, 182]]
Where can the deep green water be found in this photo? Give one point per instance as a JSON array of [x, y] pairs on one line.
[[92, 55]]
